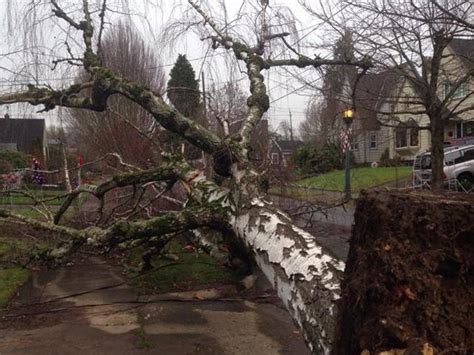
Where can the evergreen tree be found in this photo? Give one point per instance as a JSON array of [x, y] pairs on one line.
[[183, 88], [183, 92]]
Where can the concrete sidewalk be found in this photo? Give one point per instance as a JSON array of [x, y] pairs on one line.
[[51, 316]]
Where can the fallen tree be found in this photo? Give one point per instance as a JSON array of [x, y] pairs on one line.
[[306, 277]]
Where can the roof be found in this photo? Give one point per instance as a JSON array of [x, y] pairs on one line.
[[373, 90], [464, 49], [25, 133], [288, 145]]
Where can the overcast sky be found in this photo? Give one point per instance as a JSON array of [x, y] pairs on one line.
[[47, 35]]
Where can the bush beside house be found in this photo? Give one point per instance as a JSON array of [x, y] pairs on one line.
[[311, 159], [10, 160]]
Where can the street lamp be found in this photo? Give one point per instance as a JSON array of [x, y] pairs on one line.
[[348, 119]]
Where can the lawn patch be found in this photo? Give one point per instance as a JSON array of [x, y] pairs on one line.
[[193, 269], [361, 178], [17, 198], [14, 252], [10, 279]]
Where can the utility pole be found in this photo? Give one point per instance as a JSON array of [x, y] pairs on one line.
[[204, 100], [205, 160], [291, 126]]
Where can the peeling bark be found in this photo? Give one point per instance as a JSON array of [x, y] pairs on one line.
[[306, 277]]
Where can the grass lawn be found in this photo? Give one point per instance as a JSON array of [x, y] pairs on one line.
[[13, 198], [361, 178], [10, 279], [193, 269], [16, 246], [11, 276]]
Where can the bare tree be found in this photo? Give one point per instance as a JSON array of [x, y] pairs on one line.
[[306, 276], [227, 107], [123, 128], [414, 39]]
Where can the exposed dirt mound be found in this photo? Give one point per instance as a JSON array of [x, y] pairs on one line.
[[410, 274]]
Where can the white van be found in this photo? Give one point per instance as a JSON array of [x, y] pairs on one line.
[[458, 165]]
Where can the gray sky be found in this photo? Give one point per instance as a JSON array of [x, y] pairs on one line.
[[26, 58]]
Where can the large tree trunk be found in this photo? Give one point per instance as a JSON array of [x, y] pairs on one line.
[[437, 153], [409, 279], [306, 277]]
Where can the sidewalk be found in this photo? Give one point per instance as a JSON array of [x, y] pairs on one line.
[[58, 312]]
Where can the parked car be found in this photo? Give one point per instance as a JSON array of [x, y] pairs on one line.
[[458, 165]]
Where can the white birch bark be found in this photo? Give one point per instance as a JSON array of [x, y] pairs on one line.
[[306, 277]]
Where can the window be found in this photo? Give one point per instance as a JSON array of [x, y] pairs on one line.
[[460, 91], [467, 155], [452, 158], [275, 159], [373, 141], [426, 162], [401, 137], [468, 128], [414, 137]]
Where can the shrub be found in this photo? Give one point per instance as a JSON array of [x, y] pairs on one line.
[[311, 159], [12, 160], [385, 160]]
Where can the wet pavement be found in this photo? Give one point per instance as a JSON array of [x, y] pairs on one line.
[[330, 226], [87, 308]]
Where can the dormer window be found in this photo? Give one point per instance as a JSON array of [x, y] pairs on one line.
[[459, 93]]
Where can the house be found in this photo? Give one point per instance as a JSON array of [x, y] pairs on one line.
[[410, 132], [281, 152], [25, 135], [385, 106], [370, 138], [458, 62]]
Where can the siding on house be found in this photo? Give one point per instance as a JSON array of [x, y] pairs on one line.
[[281, 152], [371, 138]]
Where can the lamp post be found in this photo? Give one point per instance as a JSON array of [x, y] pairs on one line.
[[348, 119]]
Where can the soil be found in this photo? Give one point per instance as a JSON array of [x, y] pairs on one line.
[[409, 277]]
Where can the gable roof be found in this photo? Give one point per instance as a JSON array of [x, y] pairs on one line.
[[25, 133], [373, 90], [286, 146], [464, 49]]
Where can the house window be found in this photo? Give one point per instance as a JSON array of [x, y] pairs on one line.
[[468, 128], [460, 92], [414, 137], [275, 159], [401, 137], [373, 141]]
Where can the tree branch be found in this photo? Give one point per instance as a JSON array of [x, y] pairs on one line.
[[122, 231], [169, 172]]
